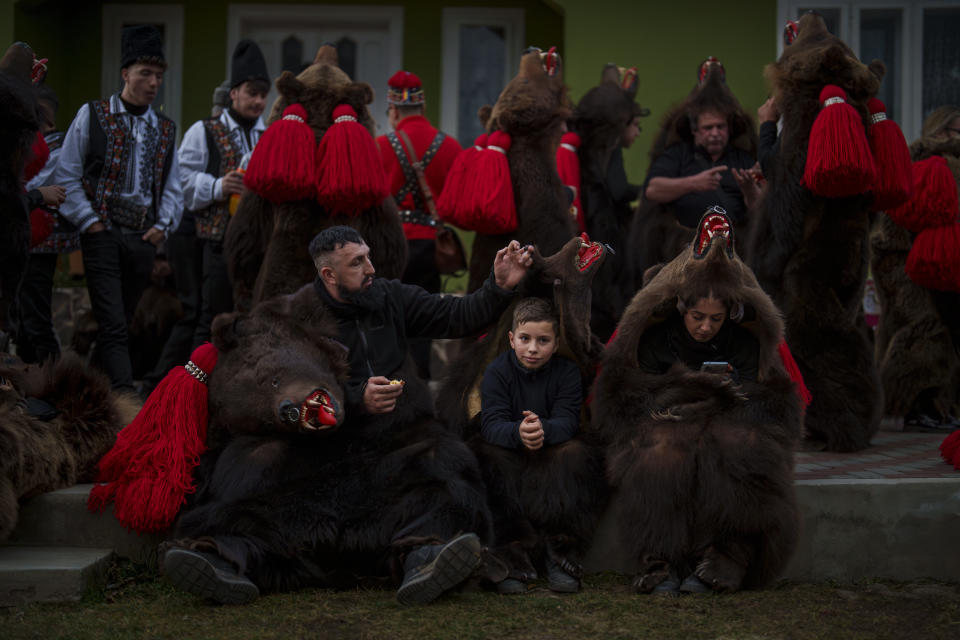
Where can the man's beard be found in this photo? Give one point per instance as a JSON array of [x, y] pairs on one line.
[[363, 297]]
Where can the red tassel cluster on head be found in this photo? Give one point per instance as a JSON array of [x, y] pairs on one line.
[[39, 154], [891, 155], [454, 204], [149, 471], [350, 175], [568, 168], [839, 162], [934, 258], [281, 168], [495, 209], [950, 449]]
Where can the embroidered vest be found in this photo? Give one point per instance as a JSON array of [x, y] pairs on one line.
[[223, 156], [109, 151], [64, 238]]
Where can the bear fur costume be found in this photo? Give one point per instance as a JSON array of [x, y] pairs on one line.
[[532, 108], [56, 422], [293, 502], [556, 506], [811, 253], [18, 113], [600, 119], [702, 469], [266, 243], [655, 236], [918, 338]]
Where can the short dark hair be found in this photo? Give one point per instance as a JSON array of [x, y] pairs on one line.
[[332, 238], [257, 85], [535, 310], [406, 110]]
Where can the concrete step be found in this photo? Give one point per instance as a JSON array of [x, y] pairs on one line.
[[61, 519], [49, 574]]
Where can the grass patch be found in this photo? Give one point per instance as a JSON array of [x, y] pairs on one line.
[[137, 604]]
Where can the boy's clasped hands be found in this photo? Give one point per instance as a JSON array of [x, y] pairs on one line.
[[531, 431]]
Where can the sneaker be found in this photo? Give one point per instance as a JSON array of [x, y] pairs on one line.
[[669, 587], [511, 587], [559, 580], [693, 584], [453, 564], [207, 575]]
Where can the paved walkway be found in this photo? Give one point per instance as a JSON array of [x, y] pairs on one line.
[[891, 455]]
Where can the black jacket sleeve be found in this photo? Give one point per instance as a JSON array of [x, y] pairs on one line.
[[497, 423], [564, 418], [431, 315], [621, 191]]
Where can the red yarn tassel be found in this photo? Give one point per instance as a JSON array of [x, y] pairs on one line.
[[281, 168], [39, 154], [493, 189], [894, 184], [839, 163], [454, 204], [149, 470], [350, 175], [950, 449], [794, 372], [934, 203], [568, 167], [934, 258]]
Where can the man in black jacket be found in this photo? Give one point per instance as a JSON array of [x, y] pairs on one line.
[[376, 317]]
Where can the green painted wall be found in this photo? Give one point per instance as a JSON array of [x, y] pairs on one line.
[[68, 32], [667, 41]]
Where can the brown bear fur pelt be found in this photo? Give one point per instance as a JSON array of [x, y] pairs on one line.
[[266, 244], [38, 455], [600, 119], [702, 469], [811, 253], [655, 236], [532, 108], [918, 338]]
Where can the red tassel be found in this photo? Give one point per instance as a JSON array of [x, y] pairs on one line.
[[839, 163], [934, 258], [454, 205], [350, 175], [934, 203], [891, 155], [568, 167], [39, 154], [794, 372], [281, 168], [41, 226], [150, 467], [950, 449], [493, 189]]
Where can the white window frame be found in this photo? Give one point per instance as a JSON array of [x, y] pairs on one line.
[[171, 17], [510, 20], [911, 55]]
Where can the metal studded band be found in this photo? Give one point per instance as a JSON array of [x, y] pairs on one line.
[[834, 100], [293, 116], [878, 117], [196, 371], [494, 147], [569, 147], [340, 119]]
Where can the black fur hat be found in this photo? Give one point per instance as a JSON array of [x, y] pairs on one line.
[[248, 64], [142, 43]]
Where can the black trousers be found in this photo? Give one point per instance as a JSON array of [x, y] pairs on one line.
[[421, 270], [36, 340], [118, 267]]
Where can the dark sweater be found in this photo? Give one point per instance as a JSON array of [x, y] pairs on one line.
[[553, 392], [663, 345], [376, 328]]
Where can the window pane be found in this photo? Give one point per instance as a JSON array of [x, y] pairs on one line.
[[830, 15], [941, 58], [482, 60], [880, 37], [347, 56]]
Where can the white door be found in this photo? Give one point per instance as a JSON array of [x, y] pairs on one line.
[[368, 42]]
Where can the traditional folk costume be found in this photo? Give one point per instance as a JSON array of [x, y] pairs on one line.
[[210, 149], [119, 168]]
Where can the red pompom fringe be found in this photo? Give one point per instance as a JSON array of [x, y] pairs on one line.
[[568, 167], [934, 258], [950, 449], [454, 205], [839, 162], [350, 175], [149, 470], [793, 370], [891, 155], [493, 189], [281, 168], [39, 154]]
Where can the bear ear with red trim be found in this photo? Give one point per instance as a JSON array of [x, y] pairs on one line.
[[839, 162]]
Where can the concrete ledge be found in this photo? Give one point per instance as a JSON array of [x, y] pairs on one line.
[[61, 519], [49, 574]]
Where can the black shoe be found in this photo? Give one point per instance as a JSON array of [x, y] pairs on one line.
[[207, 575], [511, 587], [669, 587], [452, 564], [693, 584], [559, 580]]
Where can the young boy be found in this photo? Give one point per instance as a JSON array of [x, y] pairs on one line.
[[534, 468]]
